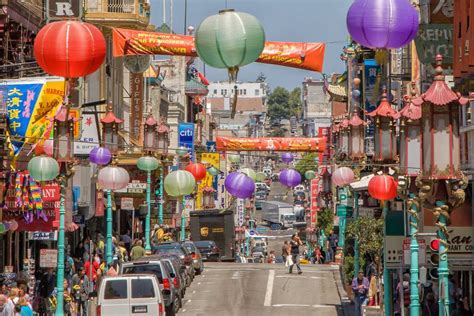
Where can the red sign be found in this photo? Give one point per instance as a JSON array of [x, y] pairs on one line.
[[272, 144], [314, 201], [50, 196]]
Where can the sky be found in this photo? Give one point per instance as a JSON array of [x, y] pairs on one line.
[[283, 20]]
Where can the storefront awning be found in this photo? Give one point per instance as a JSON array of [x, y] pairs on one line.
[[362, 184]]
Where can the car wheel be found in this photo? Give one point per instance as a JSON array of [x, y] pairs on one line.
[[170, 310], [198, 271]]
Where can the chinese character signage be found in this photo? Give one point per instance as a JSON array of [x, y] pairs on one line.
[[31, 105], [213, 160], [186, 137], [314, 201], [240, 203]]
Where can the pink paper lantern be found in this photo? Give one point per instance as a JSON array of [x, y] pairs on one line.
[[13, 225], [343, 176]]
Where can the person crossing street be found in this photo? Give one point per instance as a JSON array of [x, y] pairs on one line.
[[295, 244]]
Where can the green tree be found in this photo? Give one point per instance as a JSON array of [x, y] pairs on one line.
[[294, 101], [278, 132], [307, 163], [326, 220], [278, 104], [261, 77], [368, 232]]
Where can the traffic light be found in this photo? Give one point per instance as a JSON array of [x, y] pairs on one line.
[[434, 246]]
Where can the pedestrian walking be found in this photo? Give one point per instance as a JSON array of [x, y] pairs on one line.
[[6, 307], [360, 286], [284, 251], [137, 251], [295, 244], [332, 245], [80, 289]]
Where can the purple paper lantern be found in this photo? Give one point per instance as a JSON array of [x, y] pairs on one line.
[[290, 178], [100, 156], [287, 157], [382, 23], [239, 185]]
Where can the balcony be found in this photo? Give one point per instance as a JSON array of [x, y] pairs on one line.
[[118, 13]]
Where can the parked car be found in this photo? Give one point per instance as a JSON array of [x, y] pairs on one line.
[[177, 272], [209, 250], [299, 188], [128, 295], [261, 194], [260, 186], [154, 265], [258, 253], [177, 249], [197, 257]]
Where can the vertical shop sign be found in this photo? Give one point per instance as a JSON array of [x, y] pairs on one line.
[[136, 104]]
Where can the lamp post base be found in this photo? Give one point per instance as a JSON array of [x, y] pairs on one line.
[[339, 256]]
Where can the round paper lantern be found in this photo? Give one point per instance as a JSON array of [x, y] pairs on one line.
[[261, 176], [69, 49], [3, 229], [229, 40], [355, 93], [310, 174], [43, 168], [249, 173], [45, 148], [342, 176], [290, 178], [239, 185], [181, 151], [100, 156], [7, 225], [287, 157], [113, 178], [179, 183], [356, 81], [385, 24], [234, 158], [148, 163], [198, 170], [213, 171], [13, 225], [383, 187]]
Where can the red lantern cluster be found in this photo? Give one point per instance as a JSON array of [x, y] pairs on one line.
[[383, 187], [69, 49], [198, 170]]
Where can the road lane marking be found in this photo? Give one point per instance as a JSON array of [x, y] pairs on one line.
[[291, 305], [194, 292], [268, 294]]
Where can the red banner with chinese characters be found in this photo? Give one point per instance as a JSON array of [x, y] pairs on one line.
[[314, 201], [271, 144], [50, 195], [308, 56]]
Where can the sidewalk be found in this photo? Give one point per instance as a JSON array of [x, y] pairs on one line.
[[346, 303]]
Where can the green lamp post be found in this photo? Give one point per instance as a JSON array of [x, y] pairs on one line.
[[179, 184], [148, 164]]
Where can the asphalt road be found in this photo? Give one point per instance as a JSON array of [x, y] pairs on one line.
[[227, 289]]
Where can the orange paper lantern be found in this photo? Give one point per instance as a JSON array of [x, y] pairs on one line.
[[383, 187], [198, 170]]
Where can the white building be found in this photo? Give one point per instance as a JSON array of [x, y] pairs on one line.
[[316, 107], [251, 96]]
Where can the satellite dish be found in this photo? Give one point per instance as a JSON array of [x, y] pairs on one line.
[[137, 63]]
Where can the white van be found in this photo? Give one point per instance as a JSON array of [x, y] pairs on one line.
[[131, 294]]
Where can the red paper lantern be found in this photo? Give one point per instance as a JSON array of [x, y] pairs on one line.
[[383, 187], [198, 170], [69, 49]]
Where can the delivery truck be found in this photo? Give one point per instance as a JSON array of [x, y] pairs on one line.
[[278, 215]]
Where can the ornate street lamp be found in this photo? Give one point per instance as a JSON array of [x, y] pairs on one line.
[[150, 135], [163, 137], [385, 130], [63, 148], [208, 198], [356, 139], [343, 145], [110, 126]]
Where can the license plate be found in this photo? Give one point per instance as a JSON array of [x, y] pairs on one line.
[[140, 309]]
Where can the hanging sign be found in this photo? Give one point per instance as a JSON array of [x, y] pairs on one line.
[[240, 211], [314, 201], [48, 258], [434, 39], [421, 251], [63, 9], [136, 104], [186, 137], [272, 144]]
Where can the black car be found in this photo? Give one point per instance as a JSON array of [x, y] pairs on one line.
[[179, 250], [209, 250], [196, 254]]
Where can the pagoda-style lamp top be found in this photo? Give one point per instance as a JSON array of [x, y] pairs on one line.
[[384, 109], [411, 111], [63, 142], [110, 130], [163, 132], [150, 139]]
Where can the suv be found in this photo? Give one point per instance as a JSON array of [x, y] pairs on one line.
[[196, 254], [209, 250], [179, 271], [157, 267], [177, 249], [129, 295], [260, 186]]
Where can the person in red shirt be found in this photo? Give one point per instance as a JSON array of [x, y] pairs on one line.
[[87, 269]]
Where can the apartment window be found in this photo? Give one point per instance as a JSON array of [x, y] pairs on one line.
[[257, 92], [225, 91], [215, 91], [245, 91], [222, 92]]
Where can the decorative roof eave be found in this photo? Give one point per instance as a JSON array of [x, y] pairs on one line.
[[384, 109], [110, 117], [439, 93], [344, 124], [337, 90], [356, 120], [150, 120], [411, 110], [61, 115], [335, 128], [163, 128], [193, 88]]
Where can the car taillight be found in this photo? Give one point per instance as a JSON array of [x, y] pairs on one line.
[[166, 284], [99, 312], [175, 282], [160, 309], [195, 256], [215, 248]]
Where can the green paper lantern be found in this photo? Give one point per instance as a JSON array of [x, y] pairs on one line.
[[310, 174], [148, 163], [249, 173], [3, 229], [181, 151], [261, 176], [234, 158], [179, 183], [213, 171], [230, 40], [43, 168]]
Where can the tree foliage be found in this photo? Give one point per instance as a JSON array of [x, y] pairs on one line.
[[283, 104], [307, 163], [326, 220], [261, 77], [295, 103], [369, 234], [278, 132]]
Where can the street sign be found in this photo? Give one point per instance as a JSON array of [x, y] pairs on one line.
[[421, 251], [240, 212], [393, 251], [48, 258], [342, 210], [42, 235], [252, 232], [126, 203]]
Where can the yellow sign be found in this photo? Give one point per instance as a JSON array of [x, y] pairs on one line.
[[76, 114], [204, 231], [218, 230], [213, 159]]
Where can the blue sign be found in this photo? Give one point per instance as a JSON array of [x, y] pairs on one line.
[[186, 137], [251, 232], [211, 147]]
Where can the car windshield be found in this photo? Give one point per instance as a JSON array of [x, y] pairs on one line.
[[178, 251], [151, 268], [291, 217], [204, 244], [189, 246]]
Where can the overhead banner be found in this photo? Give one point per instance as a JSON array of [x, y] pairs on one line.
[[317, 144], [308, 56], [31, 105]]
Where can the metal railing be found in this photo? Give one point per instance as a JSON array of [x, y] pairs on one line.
[[117, 6]]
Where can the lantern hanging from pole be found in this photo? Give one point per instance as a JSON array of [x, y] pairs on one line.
[[310, 174], [179, 183], [356, 139], [410, 136], [239, 185], [43, 168], [290, 178], [148, 163], [382, 187], [113, 178], [181, 151], [100, 156], [342, 176], [198, 170], [384, 24], [234, 158], [385, 130], [69, 49], [440, 129], [213, 171], [110, 126], [287, 157], [63, 139], [249, 173]]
